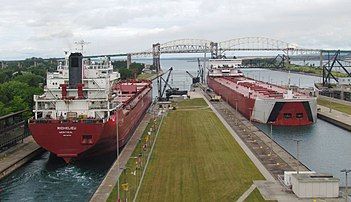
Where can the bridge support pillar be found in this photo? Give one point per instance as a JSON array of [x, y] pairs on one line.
[[129, 60], [156, 52], [321, 65]]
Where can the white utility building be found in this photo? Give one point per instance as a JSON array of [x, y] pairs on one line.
[[288, 175], [313, 185]]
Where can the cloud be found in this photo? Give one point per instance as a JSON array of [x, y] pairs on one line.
[[46, 28]]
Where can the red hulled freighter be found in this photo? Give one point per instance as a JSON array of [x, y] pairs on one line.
[[77, 115], [259, 101]]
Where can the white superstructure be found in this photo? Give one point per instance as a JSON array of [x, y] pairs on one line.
[[92, 98], [225, 67]]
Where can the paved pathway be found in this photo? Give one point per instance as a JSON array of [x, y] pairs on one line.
[[247, 193], [341, 119], [344, 102], [110, 180]]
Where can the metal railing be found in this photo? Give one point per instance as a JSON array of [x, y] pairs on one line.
[[13, 134]]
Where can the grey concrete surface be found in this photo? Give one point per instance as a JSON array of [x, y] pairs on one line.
[[20, 154]]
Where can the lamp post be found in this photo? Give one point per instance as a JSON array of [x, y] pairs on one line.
[[330, 103], [346, 171], [271, 134], [236, 111], [250, 113], [298, 154], [117, 136]]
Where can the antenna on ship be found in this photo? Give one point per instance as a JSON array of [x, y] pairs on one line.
[[82, 43], [289, 80]]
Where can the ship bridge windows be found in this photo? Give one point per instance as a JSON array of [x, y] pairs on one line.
[[287, 115]]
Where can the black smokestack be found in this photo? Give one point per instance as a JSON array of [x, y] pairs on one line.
[[75, 69]]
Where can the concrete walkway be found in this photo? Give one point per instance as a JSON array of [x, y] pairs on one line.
[[20, 154], [344, 102], [110, 180], [247, 193], [335, 117], [274, 191]]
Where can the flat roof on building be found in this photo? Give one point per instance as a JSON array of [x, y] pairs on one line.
[[315, 177]]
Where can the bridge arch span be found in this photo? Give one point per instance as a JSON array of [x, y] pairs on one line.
[[255, 43], [185, 46]]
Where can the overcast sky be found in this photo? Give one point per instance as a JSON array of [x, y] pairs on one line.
[[47, 28]]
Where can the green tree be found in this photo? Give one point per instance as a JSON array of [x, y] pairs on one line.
[[3, 109], [30, 79], [11, 89], [125, 73], [18, 104], [5, 75]]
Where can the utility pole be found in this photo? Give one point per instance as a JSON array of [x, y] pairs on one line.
[[236, 112], [117, 137], [271, 137], [298, 154], [346, 171]]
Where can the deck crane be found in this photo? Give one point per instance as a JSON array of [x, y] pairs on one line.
[[170, 91], [161, 93], [195, 79], [200, 74]]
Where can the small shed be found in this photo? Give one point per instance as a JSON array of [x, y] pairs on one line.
[[315, 185], [288, 174]]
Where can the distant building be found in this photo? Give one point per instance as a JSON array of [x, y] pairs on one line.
[[147, 69], [225, 63], [344, 81]]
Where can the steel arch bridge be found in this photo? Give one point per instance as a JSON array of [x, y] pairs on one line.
[[217, 50], [263, 44], [260, 43], [236, 44], [179, 46]]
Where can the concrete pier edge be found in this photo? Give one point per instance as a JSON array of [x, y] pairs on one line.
[[20, 156], [335, 117]]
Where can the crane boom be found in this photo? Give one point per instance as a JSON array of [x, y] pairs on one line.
[[190, 74], [166, 82]]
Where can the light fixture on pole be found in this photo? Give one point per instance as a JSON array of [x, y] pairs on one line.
[[271, 134], [117, 151], [346, 171], [298, 154]]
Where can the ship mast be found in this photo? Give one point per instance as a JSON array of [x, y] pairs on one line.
[[81, 43]]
